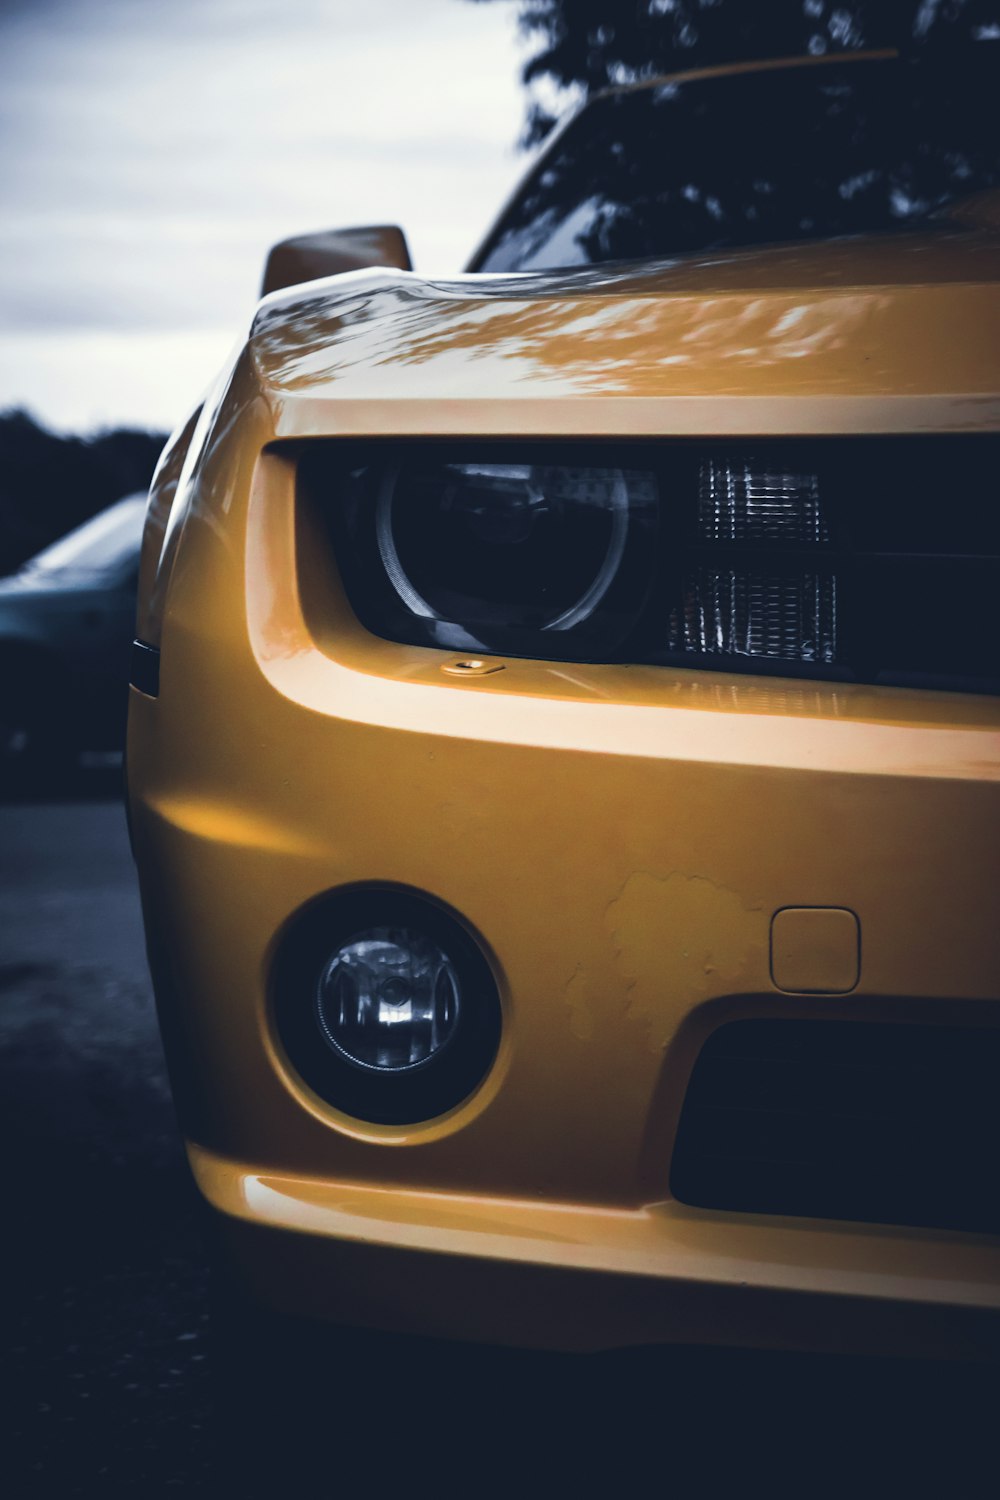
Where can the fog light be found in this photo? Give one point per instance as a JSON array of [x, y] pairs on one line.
[[388, 999], [385, 1004]]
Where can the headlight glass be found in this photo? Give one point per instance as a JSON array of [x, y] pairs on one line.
[[524, 558], [847, 558]]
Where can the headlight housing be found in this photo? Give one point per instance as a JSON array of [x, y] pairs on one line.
[[848, 558], [512, 557]]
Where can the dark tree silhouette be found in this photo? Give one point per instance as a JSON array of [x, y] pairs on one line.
[[587, 45], [49, 484]]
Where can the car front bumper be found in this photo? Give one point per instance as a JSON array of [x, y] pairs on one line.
[[620, 839], [574, 1277]]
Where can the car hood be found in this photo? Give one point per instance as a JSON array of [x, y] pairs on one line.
[[912, 318]]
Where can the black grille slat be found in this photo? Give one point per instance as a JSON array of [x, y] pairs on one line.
[[894, 1124]]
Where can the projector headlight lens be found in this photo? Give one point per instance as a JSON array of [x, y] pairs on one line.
[[388, 999], [517, 556], [497, 544]]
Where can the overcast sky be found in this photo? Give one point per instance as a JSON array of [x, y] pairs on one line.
[[152, 150]]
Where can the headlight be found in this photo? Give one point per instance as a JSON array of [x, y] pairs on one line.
[[529, 559], [385, 1005], [842, 558]]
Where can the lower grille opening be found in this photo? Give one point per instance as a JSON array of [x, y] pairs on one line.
[[889, 1124]]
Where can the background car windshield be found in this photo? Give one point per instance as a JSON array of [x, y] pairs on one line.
[[782, 155], [103, 544]]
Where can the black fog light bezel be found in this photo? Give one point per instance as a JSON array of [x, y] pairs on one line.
[[404, 1096]]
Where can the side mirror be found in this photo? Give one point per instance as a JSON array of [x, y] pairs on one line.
[[309, 256]]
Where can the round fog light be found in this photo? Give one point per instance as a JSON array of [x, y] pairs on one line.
[[389, 998], [385, 1004]]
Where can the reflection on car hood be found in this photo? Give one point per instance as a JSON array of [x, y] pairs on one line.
[[900, 315]]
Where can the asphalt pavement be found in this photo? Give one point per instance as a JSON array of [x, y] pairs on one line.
[[106, 1282], [113, 1372]]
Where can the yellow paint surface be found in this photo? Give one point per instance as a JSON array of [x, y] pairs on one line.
[[617, 838]]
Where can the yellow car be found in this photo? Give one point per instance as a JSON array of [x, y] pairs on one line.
[[563, 746]]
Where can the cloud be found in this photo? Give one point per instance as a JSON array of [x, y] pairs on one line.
[[152, 150]]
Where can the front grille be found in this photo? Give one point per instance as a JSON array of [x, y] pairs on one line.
[[883, 1123]]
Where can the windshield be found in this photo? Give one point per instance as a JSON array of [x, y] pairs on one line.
[[104, 544], [798, 153]]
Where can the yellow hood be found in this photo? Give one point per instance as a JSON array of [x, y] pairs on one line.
[[867, 334]]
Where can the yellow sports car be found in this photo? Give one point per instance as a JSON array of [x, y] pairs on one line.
[[563, 746]]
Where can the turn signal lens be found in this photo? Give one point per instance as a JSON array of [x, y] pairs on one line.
[[778, 616], [736, 603], [742, 501]]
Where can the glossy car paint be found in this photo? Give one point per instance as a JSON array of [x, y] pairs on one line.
[[618, 838]]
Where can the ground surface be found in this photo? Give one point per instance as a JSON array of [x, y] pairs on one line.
[[108, 1333], [106, 1274]]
